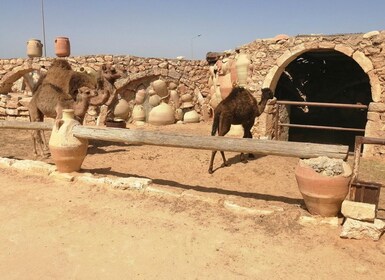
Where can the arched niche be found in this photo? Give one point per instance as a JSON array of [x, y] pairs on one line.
[[323, 75]]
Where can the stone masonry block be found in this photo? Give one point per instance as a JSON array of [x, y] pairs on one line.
[[362, 230], [359, 210], [363, 61], [344, 49]]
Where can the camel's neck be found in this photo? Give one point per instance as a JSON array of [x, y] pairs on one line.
[[261, 106], [81, 107]]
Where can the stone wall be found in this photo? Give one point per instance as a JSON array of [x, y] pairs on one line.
[[269, 58], [17, 74]]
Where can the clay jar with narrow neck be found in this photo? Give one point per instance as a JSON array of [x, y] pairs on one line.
[[67, 151]]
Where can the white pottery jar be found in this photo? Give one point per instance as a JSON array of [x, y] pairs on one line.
[[161, 115], [140, 96], [154, 100], [138, 113], [242, 66], [191, 117], [160, 88]]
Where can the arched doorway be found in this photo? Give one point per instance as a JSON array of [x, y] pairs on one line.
[[324, 76]]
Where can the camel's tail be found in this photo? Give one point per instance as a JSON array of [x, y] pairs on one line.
[[215, 124]]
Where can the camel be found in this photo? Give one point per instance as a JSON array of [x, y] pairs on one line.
[[239, 107], [106, 78], [61, 88]]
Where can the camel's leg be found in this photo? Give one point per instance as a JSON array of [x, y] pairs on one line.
[[45, 149], [247, 134], [38, 137], [223, 128], [34, 141], [212, 162]]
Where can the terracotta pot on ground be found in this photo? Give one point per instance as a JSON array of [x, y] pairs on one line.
[[323, 195], [67, 151]]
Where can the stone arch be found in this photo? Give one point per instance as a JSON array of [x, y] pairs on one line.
[[288, 56], [333, 88], [15, 74]]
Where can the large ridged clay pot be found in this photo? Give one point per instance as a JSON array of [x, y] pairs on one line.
[[162, 114], [67, 151], [323, 195]]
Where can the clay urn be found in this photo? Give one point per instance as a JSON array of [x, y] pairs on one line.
[[62, 47], [191, 117], [154, 100], [122, 109], [160, 88], [242, 68], [34, 48], [138, 113], [236, 130], [174, 98], [67, 151], [162, 114], [323, 194], [140, 96]]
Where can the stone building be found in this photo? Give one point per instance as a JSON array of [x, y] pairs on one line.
[[325, 69]]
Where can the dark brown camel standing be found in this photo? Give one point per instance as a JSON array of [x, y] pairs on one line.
[[61, 88], [240, 107]]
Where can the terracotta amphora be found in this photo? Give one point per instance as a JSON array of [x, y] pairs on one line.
[[67, 151]]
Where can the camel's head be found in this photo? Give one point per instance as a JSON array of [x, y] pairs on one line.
[[266, 95], [86, 92], [109, 72]]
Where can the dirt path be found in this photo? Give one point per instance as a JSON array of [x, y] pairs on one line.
[[59, 230]]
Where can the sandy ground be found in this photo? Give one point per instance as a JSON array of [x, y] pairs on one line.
[[52, 229]]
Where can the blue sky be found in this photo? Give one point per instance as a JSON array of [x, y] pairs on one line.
[[168, 28]]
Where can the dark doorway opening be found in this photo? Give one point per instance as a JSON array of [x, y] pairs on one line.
[[325, 76]]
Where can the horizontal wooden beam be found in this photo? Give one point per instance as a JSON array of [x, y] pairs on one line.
[[256, 146], [241, 145], [26, 125]]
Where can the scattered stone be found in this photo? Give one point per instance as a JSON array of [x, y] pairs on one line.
[[318, 220], [371, 34], [67, 177], [128, 183], [7, 162], [34, 166], [154, 189], [359, 210], [87, 179], [362, 230], [246, 210]]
